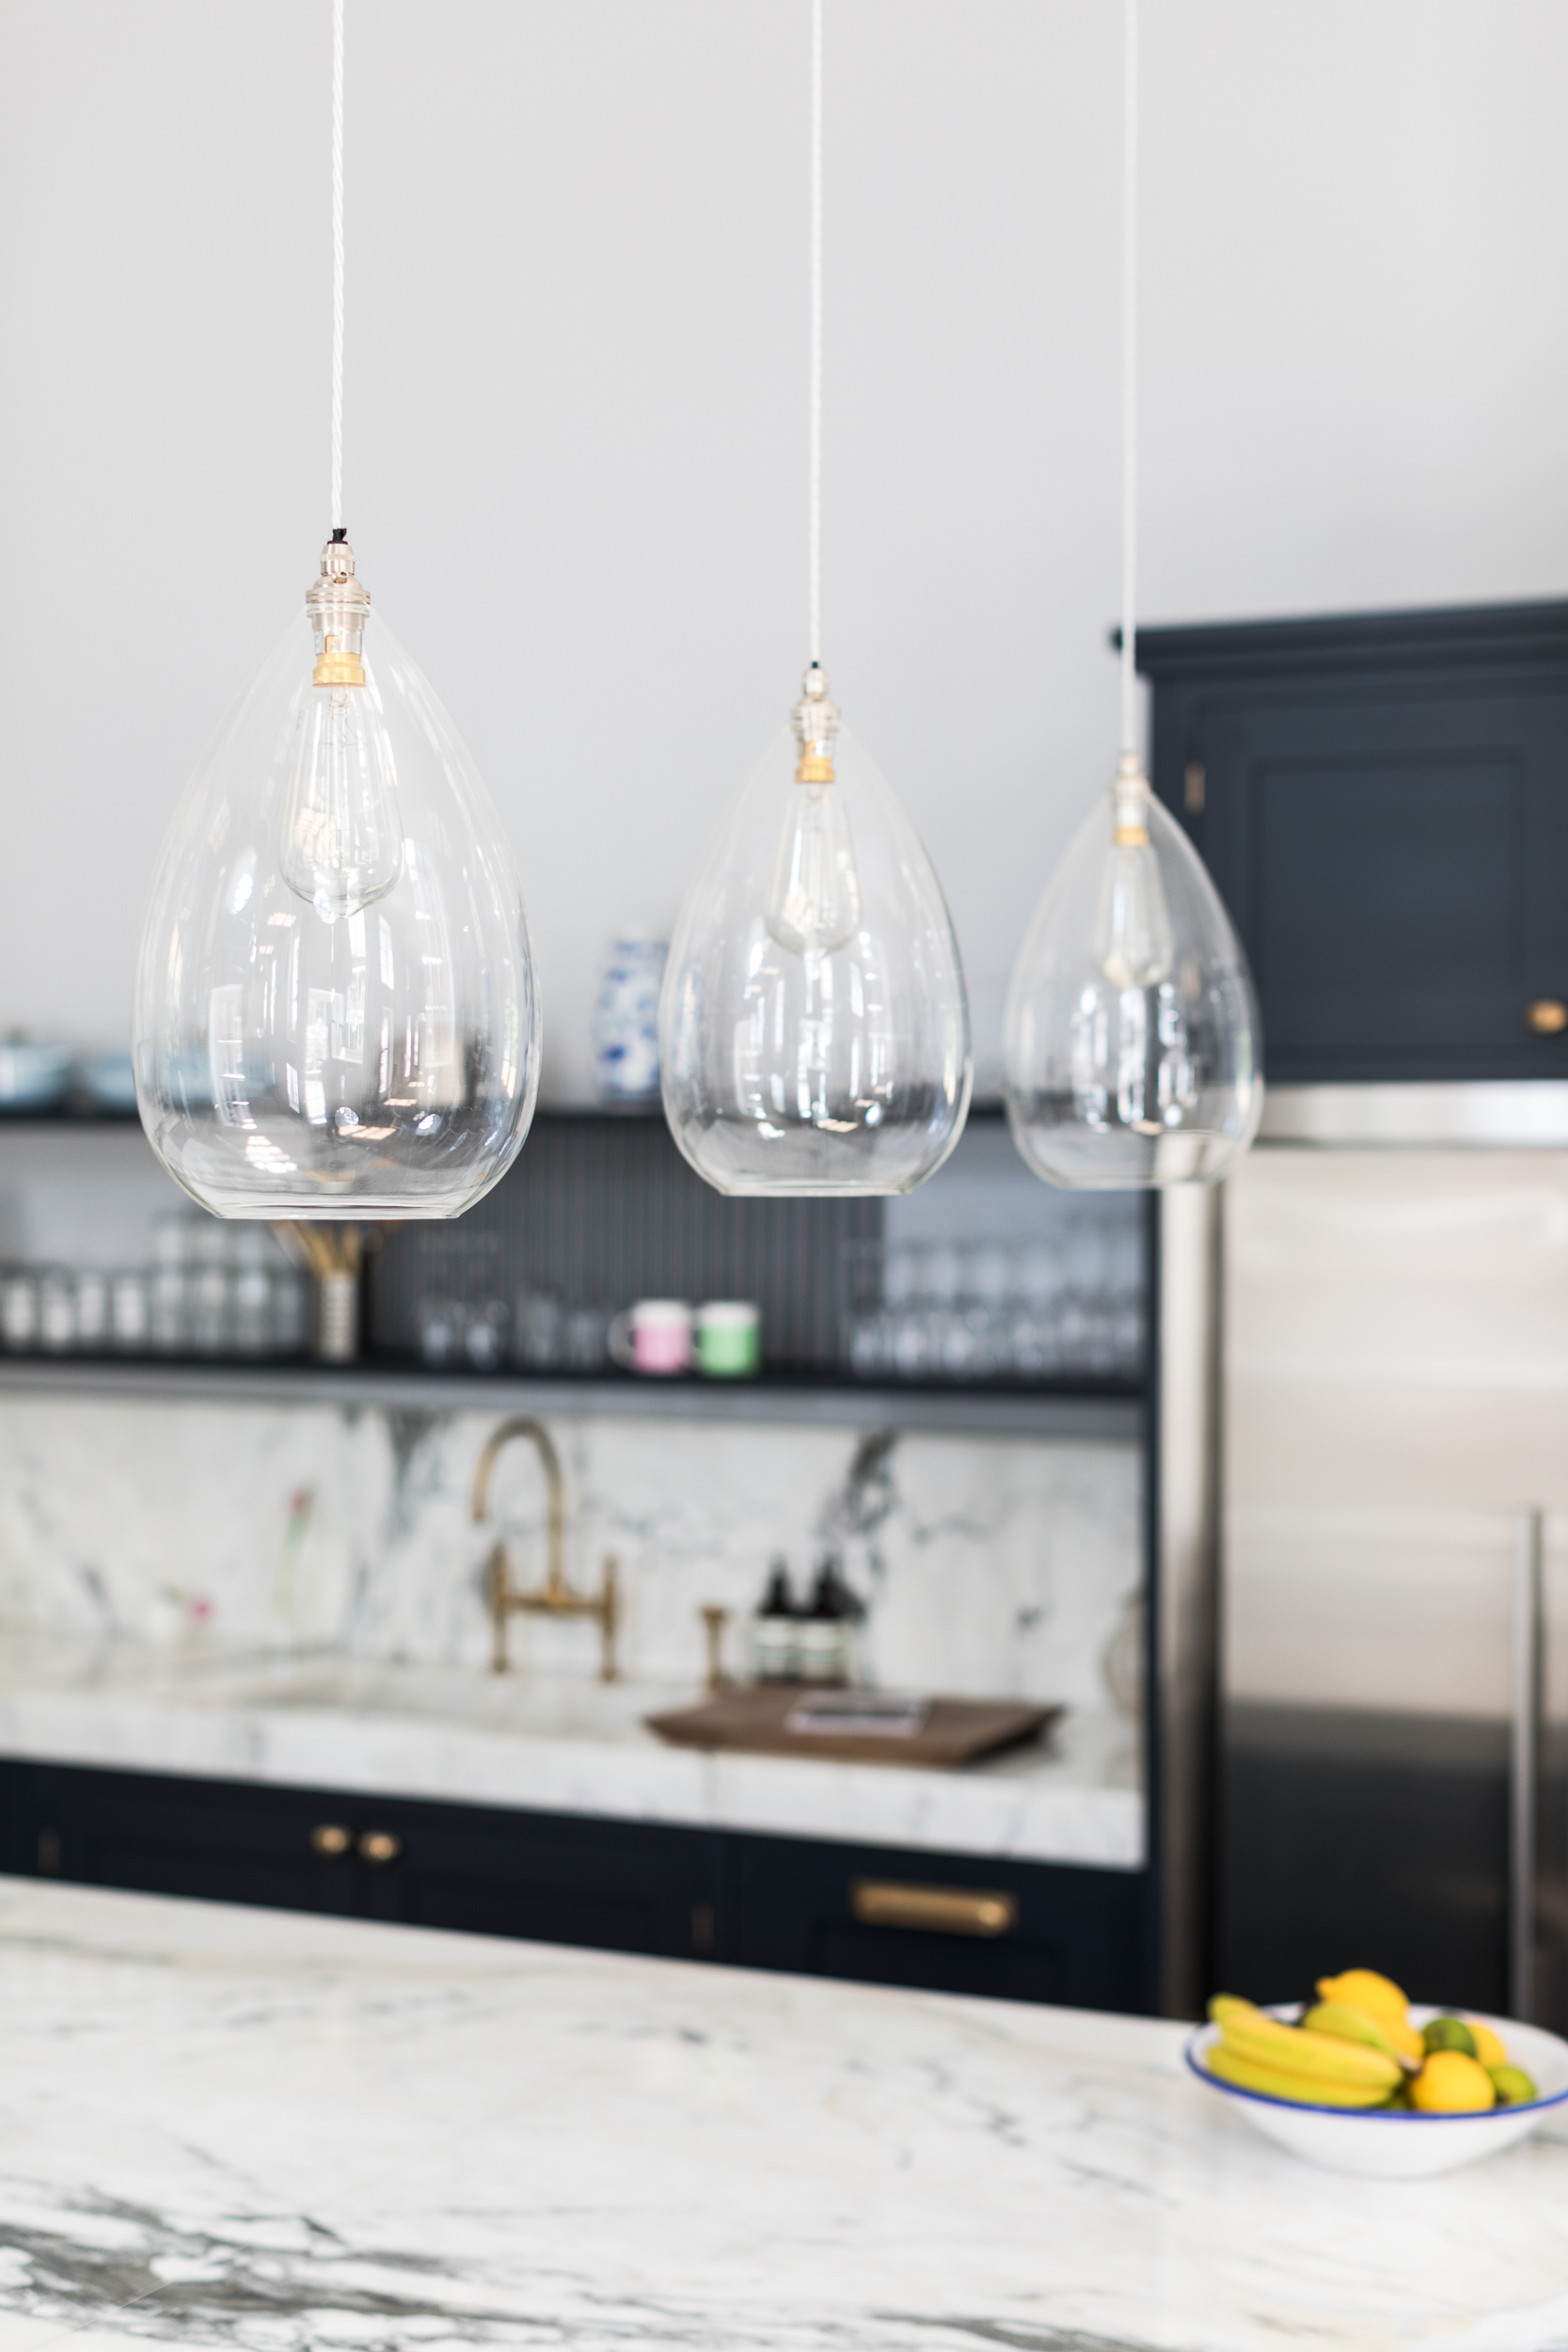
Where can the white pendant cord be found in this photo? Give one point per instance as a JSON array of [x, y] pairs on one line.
[[1128, 382], [337, 268], [815, 548]]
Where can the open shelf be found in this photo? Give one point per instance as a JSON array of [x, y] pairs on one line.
[[1109, 1414]]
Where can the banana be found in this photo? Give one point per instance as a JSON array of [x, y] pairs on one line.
[[1317, 2056], [1353, 2025], [1278, 2083]]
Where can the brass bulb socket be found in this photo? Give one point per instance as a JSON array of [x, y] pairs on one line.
[[334, 667], [813, 768]]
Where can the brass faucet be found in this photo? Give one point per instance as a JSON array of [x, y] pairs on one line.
[[555, 1597]]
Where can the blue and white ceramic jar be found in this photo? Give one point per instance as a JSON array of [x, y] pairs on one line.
[[625, 1020]]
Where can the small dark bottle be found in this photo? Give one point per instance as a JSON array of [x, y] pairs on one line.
[[827, 1632], [774, 1644]]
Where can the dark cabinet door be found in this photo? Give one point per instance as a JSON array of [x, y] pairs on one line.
[[559, 1878], [227, 1841], [1384, 808], [622, 1886], [947, 1923]]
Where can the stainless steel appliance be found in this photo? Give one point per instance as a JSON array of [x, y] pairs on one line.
[[1394, 1582]]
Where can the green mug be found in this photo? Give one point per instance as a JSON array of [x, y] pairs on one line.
[[729, 1340]]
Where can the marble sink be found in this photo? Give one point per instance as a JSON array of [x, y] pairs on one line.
[[528, 1705]]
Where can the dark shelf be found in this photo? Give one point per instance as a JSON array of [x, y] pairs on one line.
[[1101, 1412], [77, 1113], [69, 1114]]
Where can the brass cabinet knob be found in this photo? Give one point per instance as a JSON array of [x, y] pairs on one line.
[[1547, 1016], [940, 1910], [379, 1844], [331, 1837]]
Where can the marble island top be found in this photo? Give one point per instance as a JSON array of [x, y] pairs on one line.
[[276, 2134], [555, 1743]]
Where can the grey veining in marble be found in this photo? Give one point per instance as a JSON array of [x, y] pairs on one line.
[[266, 2131], [990, 1566]]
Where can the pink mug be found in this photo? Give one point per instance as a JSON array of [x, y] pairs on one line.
[[654, 1336]]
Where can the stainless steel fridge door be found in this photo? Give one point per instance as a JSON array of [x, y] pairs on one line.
[[1395, 1434]]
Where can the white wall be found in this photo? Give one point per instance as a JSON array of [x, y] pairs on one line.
[[577, 399]]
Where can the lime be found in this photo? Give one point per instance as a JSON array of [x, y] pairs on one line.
[[1449, 2033]]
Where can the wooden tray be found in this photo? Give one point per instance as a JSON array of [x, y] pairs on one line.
[[752, 1721]]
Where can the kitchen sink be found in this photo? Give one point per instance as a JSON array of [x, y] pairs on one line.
[[534, 1705]]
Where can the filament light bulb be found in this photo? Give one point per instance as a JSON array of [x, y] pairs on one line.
[[341, 846], [814, 1026], [1133, 936], [1134, 1048], [813, 904]]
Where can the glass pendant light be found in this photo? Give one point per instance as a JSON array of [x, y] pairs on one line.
[[1133, 1047], [335, 1010], [814, 1026]]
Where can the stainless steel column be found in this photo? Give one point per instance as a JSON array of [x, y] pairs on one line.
[[1186, 1596], [1524, 1794]]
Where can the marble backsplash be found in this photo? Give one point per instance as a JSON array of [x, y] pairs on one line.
[[999, 1567]]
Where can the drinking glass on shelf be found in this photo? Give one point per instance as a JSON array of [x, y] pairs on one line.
[[250, 1291], [536, 1331], [93, 1309], [207, 1315], [290, 1311], [19, 1309], [587, 1339], [130, 1312], [56, 1309], [167, 1306], [439, 1325], [484, 1335]]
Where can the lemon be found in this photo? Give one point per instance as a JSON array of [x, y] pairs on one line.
[[1489, 2048], [1451, 2084], [1364, 1989]]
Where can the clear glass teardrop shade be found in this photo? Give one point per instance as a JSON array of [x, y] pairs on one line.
[[336, 1010], [1134, 1049], [814, 1026]]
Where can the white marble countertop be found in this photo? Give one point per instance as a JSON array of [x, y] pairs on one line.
[[246, 2129], [553, 1743]]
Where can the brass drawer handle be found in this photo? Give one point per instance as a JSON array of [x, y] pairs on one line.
[[1547, 1016], [940, 1910], [379, 1844], [331, 1837]]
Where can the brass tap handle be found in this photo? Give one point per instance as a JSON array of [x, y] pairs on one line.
[[610, 1617], [498, 1601], [939, 1910], [714, 1621]]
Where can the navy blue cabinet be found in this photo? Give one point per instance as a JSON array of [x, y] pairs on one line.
[[1383, 803], [971, 1923], [955, 1923]]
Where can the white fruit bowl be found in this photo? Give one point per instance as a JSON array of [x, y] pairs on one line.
[[1399, 2145]]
